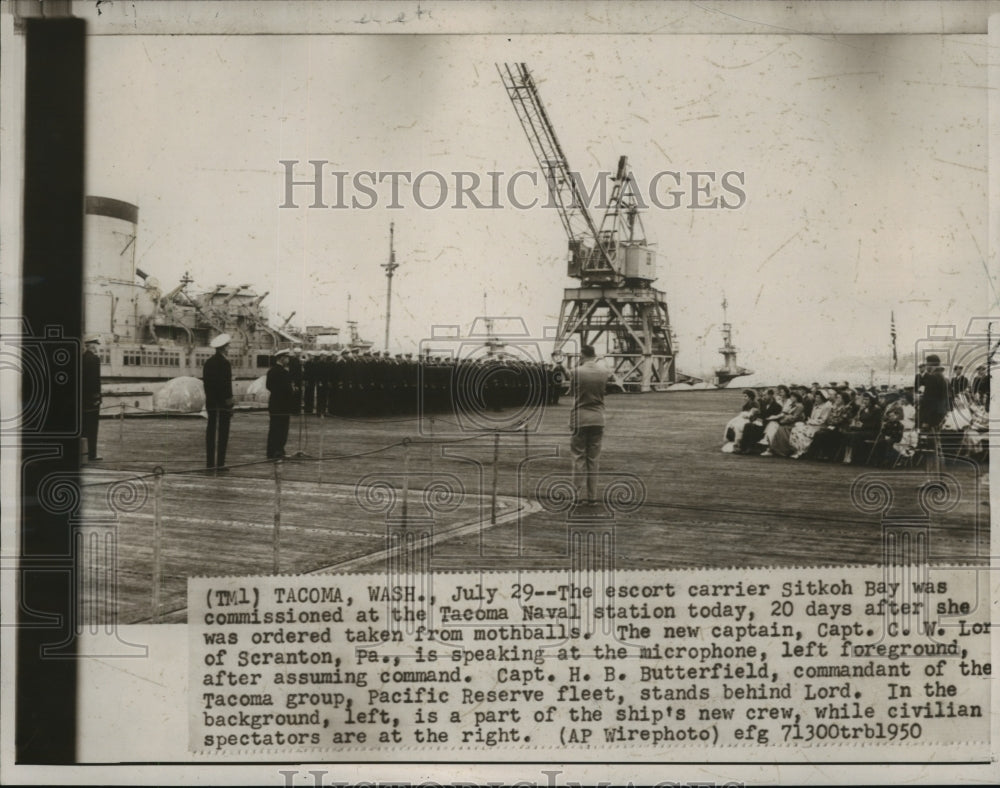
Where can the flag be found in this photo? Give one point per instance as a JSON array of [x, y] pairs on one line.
[[892, 333]]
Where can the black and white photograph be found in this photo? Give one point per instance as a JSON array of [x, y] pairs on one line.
[[554, 393]]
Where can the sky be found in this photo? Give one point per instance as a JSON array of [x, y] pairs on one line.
[[863, 162]]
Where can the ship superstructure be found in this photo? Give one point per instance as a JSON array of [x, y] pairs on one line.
[[729, 369], [150, 335]]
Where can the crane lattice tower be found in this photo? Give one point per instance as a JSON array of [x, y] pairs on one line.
[[615, 302]]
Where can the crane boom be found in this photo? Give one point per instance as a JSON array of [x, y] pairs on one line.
[[564, 188], [615, 301]]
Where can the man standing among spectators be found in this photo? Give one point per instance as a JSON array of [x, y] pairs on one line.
[[959, 383], [981, 386], [280, 404], [91, 399], [217, 375], [934, 406], [587, 422]]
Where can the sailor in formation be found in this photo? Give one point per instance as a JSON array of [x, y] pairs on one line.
[[281, 404], [356, 382]]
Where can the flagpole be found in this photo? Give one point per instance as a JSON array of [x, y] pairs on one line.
[[892, 334]]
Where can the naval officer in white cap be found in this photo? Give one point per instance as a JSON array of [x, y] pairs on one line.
[[217, 375]]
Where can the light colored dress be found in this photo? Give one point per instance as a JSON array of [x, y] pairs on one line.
[[804, 432], [739, 422], [781, 443], [772, 426]]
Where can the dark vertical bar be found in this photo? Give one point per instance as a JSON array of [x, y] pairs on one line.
[[52, 288]]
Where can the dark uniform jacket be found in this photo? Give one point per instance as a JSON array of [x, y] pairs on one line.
[[279, 383], [934, 402], [91, 381], [217, 375]]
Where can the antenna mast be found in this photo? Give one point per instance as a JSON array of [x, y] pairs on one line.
[[389, 267]]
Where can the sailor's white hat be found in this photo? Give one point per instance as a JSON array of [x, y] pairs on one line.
[[221, 340]]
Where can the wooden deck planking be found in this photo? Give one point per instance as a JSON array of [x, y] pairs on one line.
[[703, 508]]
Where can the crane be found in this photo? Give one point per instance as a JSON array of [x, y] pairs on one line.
[[613, 261]]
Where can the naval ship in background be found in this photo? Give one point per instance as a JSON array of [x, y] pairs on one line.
[[729, 370], [149, 336]]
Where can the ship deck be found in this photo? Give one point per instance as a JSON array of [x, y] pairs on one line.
[[676, 500]]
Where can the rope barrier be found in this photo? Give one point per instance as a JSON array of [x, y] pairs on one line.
[[276, 536], [254, 408], [420, 441], [157, 541], [303, 458]]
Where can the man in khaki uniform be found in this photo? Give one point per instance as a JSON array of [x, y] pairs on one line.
[[587, 422]]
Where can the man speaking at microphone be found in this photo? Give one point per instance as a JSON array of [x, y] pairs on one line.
[[587, 422]]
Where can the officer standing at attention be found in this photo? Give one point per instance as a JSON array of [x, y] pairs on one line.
[[217, 375], [91, 401], [280, 404]]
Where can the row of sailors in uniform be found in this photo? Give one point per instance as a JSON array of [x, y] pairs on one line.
[[355, 382]]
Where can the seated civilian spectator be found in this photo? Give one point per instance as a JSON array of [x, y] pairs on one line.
[[975, 437], [771, 423], [792, 413], [831, 437], [804, 432], [753, 434], [888, 442], [736, 425], [864, 429], [906, 446]]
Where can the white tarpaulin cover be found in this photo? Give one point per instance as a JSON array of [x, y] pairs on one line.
[[257, 391], [180, 395]]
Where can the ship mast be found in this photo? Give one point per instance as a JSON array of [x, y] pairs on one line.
[[389, 267], [728, 350]]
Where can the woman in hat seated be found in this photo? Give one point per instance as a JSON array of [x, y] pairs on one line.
[[734, 429], [864, 429], [768, 409], [779, 436], [804, 432], [887, 443], [906, 446], [772, 421], [832, 437]]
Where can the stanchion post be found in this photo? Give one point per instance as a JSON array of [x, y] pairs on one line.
[[157, 540], [406, 476], [121, 425], [496, 461], [277, 517], [525, 440], [319, 464], [433, 446]]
